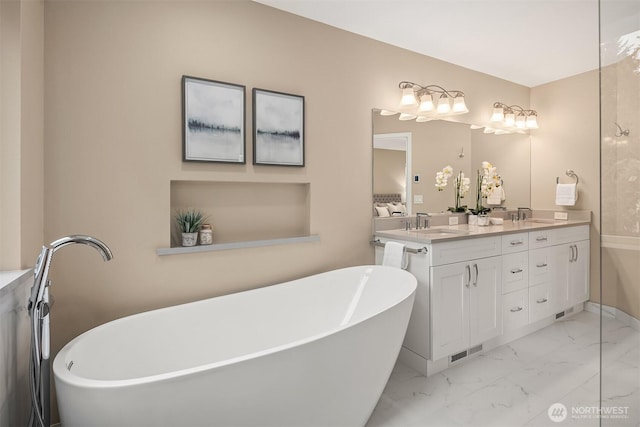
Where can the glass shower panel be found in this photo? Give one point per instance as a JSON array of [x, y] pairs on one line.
[[620, 212]]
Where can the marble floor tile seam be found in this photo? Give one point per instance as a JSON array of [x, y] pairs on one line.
[[502, 403]]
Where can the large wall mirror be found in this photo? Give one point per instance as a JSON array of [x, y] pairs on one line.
[[407, 155]]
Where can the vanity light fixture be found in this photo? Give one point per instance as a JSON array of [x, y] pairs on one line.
[[449, 103], [511, 118]]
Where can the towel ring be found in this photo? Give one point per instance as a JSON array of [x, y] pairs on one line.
[[570, 173]]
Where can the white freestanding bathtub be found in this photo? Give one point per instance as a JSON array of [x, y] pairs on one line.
[[314, 351]]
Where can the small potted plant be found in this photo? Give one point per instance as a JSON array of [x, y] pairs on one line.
[[189, 222]]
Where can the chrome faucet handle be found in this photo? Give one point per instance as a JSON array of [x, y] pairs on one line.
[[522, 215], [421, 214]]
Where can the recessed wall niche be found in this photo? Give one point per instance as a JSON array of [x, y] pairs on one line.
[[244, 211]]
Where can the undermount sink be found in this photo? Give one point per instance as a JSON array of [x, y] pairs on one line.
[[541, 220], [441, 231]]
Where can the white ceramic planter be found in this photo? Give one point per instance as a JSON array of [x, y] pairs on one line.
[[189, 239]]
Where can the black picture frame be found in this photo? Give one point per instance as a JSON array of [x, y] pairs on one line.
[[278, 128], [213, 121]]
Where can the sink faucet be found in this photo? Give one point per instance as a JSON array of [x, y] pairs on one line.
[[426, 219], [522, 214]]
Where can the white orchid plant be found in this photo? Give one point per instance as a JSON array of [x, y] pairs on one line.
[[461, 185], [487, 181]]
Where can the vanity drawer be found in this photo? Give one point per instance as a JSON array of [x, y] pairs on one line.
[[515, 272], [540, 266], [540, 302], [515, 242], [541, 238], [571, 234], [466, 249], [515, 310]]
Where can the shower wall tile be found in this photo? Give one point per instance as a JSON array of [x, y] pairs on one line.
[[621, 154]]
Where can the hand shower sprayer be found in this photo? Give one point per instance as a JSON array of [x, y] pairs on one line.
[[39, 307]]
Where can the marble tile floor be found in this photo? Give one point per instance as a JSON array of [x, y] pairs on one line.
[[516, 384]]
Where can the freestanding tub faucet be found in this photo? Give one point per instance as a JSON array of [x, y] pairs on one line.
[[39, 307]]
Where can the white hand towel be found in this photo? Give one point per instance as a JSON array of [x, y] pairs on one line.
[[495, 196], [566, 194], [503, 196], [393, 255]]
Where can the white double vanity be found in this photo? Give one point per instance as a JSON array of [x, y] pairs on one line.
[[481, 287]]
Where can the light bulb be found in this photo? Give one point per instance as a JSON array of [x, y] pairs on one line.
[[509, 119], [532, 122], [498, 115], [459, 106], [408, 98], [426, 103], [443, 105]]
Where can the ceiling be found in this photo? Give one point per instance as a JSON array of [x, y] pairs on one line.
[[530, 42]]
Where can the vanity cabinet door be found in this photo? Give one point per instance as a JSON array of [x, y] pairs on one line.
[[485, 300], [450, 285], [466, 305], [571, 274], [579, 274]]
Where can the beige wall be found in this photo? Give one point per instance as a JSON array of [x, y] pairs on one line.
[[114, 143], [21, 132], [568, 138], [10, 134]]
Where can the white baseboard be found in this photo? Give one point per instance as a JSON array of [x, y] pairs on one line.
[[613, 313]]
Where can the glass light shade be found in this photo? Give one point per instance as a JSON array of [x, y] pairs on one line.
[[459, 106], [502, 132], [532, 122], [509, 119], [422, 119], [443, 105], [520, 121], [498, 114], [388, 113], [408, 98], [426, 103], [405, 116], [488, 129]]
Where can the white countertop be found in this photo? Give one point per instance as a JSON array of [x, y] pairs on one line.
[[465, 231]]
